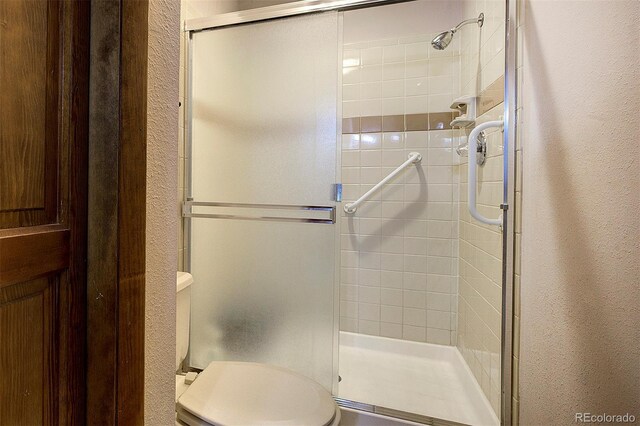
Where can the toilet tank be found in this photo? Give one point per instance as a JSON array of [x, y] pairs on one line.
[[183, 312]]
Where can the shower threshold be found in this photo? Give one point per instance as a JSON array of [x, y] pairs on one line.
[[413, 381]]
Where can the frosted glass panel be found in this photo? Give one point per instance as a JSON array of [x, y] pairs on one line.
[[264, 293], [264, 130], [264, 111]]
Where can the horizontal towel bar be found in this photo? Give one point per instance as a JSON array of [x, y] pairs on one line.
[[187, 211], [414, 158]]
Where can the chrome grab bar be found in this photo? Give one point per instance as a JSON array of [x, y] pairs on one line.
[[473, 148], [187, 211], [414, 158]]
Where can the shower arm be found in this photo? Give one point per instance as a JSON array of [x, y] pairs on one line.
[[479, 20]]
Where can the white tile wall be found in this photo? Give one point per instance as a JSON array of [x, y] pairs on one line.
[[480, 266], [398, 76], [481, 67], [480, 250], [399, 251]]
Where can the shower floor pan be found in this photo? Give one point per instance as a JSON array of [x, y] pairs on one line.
[[432, 381]]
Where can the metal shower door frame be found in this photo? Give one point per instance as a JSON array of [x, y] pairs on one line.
[[509, 143], [509, 207]]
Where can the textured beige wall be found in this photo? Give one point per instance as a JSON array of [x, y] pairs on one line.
[[580, 330], [162, 184]]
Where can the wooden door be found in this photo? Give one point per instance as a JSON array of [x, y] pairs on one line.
[[43, 156]]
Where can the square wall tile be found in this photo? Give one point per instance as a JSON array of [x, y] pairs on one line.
[[391, 262], [351, 75], [369, 277], [416, 69], [438, 336], [393, 71], [369, 327], [371, 56], [394, 53], [350, 141], [391, 279], [417, 51], [415, 281], [391, 330], [414, 299], [370, 106], [391, 314], [368, 294], [393, 140], [439, 319], [414, 316], [370, 158], [392, 297], [417, 86], [350, 58], [417, 334], [351, 159], [369, 311], [438, 301], [393, 109], [416, 104], [348, 324]]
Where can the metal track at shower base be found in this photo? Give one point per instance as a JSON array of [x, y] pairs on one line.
[[397, 414]]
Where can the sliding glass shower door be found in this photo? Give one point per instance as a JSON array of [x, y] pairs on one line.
[[262, 213]]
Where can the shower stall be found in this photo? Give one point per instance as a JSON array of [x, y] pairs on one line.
[[331, 220]]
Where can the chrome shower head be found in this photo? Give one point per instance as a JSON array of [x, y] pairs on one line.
[[442, 40]]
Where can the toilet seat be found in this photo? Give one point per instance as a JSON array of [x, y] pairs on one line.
[[252, 394]]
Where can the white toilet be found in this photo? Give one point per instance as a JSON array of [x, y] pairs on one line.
[[245, 393]]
